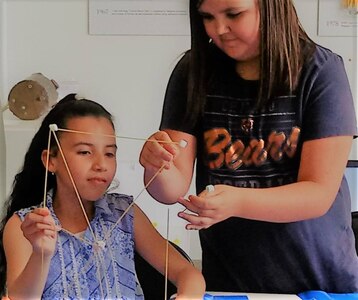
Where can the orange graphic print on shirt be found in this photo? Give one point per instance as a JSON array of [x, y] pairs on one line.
[[222, 151]]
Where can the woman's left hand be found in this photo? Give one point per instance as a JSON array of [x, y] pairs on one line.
[[209, 207]]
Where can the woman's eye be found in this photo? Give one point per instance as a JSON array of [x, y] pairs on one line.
[[109, 154], [233, 15], [206, 16]]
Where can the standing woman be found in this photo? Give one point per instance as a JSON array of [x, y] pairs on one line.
[[269, 119]]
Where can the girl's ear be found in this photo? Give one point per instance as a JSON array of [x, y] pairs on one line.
[[48, 158]]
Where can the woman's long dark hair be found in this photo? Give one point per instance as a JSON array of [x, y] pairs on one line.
[[28, 185], [284, 48]]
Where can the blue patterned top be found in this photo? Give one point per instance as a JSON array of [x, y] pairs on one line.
[[79, 262]]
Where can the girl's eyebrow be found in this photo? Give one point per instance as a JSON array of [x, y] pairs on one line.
[[91, 145]]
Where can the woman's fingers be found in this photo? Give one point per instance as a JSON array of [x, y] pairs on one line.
[[158, 150], [196, 221]]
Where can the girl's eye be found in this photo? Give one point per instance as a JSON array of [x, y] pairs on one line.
[[109, 154], [84, 152]]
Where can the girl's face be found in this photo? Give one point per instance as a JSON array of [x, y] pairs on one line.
[[91, 158], [233, 25]]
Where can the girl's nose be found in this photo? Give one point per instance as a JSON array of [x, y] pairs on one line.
[[99, 163]]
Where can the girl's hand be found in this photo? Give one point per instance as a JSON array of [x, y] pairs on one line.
[[158, 151], [209, 208], [39, 229]]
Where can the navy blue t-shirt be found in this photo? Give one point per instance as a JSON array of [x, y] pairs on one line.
[[245, 147]]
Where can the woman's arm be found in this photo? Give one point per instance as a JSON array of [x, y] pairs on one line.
[[28, 262], [174, 180], [321, 169], [152, 247]]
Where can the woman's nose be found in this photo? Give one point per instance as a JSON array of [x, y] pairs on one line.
[[222, 27]]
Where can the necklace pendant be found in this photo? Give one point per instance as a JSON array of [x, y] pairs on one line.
[[247, 125]]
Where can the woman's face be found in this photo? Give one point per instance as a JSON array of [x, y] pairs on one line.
[[233, 25]]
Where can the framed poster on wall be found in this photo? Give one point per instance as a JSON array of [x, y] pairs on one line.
[[136, 17]]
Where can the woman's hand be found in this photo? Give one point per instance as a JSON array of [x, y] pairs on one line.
[[158, 150], [209, 207], [39, 229]]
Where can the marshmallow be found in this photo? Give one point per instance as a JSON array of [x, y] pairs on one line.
[[53, 127], [183, 143], [210, 188]]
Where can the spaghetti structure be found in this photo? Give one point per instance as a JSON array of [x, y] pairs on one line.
[[100, 244]]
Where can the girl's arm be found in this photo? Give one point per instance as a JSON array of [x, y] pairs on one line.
[[321, 169], [152, 247], [29, 246], [174, 180]]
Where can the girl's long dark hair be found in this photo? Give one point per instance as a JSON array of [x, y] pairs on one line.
[[284, 48], [28, 185]]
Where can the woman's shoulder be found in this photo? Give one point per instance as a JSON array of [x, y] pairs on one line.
[[324, 62], [323, 55], [182, 64]]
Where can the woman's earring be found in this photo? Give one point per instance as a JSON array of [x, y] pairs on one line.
[[52, 173]]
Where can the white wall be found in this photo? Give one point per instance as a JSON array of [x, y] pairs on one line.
[[128, 74], [2, 132]]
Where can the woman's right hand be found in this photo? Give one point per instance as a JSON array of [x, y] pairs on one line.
[[159, 149], [39, 229]]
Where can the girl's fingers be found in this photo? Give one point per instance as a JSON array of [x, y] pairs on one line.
[[50, 233], [40, 216], [38, 221]]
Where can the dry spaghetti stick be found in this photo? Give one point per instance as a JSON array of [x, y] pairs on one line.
[[166, 259], [74, 186], [47, 163], [45, 190], [133, 202], [54, 128], [181, 143]]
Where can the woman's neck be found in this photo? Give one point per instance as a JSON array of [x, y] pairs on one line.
[[249, 70]]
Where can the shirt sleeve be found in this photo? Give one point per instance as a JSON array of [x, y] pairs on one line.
[[328, 109], [175, 100]]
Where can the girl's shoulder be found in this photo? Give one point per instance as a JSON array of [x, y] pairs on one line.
[[114, 202], [12, 229], [118, 198]]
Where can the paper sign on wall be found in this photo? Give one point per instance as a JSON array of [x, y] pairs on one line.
[[119, 17], [336, 20]]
